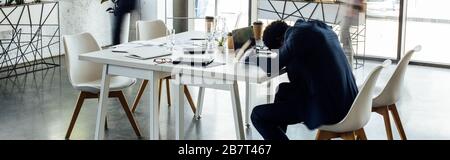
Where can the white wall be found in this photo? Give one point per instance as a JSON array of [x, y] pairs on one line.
[[86, 16], [148, 9], [89, 16]]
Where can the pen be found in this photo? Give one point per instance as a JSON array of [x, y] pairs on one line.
[[198, 39]]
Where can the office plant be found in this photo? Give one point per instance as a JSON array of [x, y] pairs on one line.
[[113, 8]]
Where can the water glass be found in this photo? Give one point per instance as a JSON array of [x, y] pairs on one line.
[[171, 39]]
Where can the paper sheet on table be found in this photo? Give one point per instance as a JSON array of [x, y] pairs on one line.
[[148, 43], [148, 52], [190, 46], [123, 48]]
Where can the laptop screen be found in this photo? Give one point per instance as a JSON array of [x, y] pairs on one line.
[[242, 35]]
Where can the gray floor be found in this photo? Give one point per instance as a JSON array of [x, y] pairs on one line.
[[40, 105]]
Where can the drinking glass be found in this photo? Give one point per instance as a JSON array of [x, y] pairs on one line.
[[220, 31], [171, 39]]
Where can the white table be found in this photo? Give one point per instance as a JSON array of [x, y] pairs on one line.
[[224, 76]]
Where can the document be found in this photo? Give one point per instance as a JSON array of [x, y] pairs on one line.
[[148, 52], [123, 48], [148, 43]]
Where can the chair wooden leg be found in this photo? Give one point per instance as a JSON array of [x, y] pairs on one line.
[[320, 136], [354, 135], [384, 111], [361, 134], [325, 135], [139, 95], [78, 106], [127, 110], [397, 121], [349, 136], [189, 98], [168, 92]]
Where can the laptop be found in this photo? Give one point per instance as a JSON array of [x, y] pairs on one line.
[[241, 36], [246, 46]]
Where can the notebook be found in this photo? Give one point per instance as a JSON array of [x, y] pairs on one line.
[[194, 61], [243, 50], [194, 50]]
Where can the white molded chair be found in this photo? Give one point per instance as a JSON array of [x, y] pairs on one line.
[[147, 30], [352, 126], [86, 76], [390, 95]]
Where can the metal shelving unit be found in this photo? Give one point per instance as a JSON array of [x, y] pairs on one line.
[[31, 43]]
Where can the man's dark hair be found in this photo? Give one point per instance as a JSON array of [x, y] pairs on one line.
[[274, 34]]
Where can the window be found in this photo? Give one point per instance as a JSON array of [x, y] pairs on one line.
[[428, 23], [382, 28], [234, 11]]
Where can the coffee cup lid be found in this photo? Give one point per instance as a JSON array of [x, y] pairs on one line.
[[257, 23]]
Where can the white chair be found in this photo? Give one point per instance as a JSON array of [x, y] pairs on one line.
[[147, 30], [86, 76], [352, 126], [390, 95]]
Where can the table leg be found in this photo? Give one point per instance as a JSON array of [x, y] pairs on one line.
[[201, 95], [179, 110], [154, 109], [269, 92], [101, 111], [237, 111], [248, 103]]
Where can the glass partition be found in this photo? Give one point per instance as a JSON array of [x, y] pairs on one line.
[[382, 28], [428, 24], [234, 11]]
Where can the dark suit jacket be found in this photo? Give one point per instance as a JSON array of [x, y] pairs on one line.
[[317, 66], [125, 6]]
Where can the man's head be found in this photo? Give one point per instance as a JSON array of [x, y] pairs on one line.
[[274, 34]]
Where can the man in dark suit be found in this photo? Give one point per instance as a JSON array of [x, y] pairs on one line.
[[322, 87], [123, 7]]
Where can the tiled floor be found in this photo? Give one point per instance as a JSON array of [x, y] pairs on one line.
[[40, 105]]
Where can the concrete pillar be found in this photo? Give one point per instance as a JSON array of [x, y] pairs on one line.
[[180, 9]]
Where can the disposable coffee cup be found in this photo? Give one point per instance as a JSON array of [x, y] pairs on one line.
[[257, 30], [209, 21], [230, 41]]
